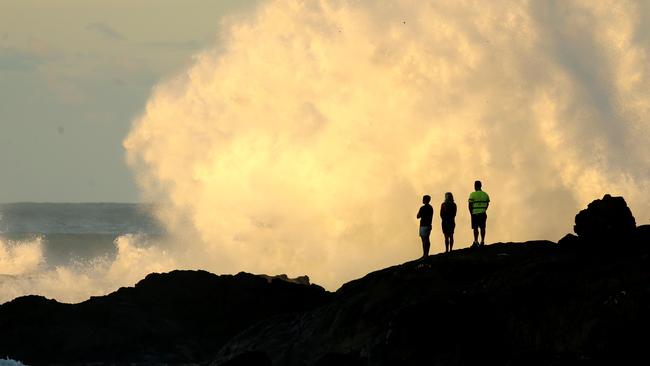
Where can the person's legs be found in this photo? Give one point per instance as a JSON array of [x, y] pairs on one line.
[[451, 242], [426, 245], [475, 225], [482, 226], [445, 234]]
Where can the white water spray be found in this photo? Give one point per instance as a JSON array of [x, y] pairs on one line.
[[305, 146]]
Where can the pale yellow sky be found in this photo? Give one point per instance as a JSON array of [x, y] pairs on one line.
[[144, 29]]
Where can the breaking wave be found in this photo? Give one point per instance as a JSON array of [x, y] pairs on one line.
[[303, 143]]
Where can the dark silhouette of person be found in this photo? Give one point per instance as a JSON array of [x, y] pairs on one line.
[[448, 216], [478, 205], [425, 214]]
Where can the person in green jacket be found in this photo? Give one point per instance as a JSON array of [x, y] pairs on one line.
[[478, 205]]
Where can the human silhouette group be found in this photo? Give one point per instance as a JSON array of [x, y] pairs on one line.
[[478, 203]]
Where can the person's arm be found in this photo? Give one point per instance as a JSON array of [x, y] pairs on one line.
[[419, 213], [442, 209], [469, 205]]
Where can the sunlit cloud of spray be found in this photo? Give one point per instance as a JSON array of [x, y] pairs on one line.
[[304, 142]]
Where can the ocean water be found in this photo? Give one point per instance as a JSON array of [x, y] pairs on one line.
[[74, 232], [70, 252], [10, 362]]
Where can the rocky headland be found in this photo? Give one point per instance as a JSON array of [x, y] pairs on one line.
[[582, 301]]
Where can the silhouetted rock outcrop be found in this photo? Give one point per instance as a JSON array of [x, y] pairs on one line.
[[605, 224], [604, 220], [173, 318], [506, 304], [302, 280]]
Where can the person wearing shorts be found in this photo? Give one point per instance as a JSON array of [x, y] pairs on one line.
[[478, 205], [448, 216], [425, 214]]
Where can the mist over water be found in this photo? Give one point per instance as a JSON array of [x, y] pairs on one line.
[[302, 142], [73, 251]]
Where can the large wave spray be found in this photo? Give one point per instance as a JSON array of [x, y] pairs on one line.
[[303, 141], [305, 144]]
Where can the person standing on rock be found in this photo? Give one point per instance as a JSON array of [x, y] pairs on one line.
[[448, 216], [425, 214], [478, 205]]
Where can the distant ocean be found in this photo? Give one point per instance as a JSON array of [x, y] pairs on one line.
[[75, 231]]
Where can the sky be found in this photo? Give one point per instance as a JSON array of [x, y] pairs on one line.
[[73, 76]]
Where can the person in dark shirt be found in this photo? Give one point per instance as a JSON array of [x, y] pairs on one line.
[[425, 214], [448, 216]]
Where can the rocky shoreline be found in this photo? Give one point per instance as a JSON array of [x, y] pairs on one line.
[[582, 301]]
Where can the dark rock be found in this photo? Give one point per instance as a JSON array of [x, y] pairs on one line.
[[605, 221], [302, 280], [508, 304], [569, 241], [172, 318], [250, 359], [642, 235], [341, 359]]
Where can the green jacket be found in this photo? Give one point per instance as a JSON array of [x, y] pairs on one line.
[[478, 201]]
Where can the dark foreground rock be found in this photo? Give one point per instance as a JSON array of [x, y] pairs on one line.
[[179, 317], [605, 221], [531, 303], [585, 302]]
